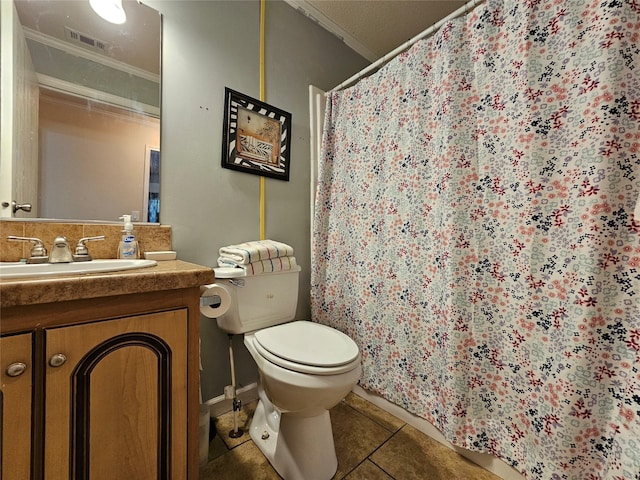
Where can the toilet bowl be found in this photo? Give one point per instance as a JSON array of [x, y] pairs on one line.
[[304, 366], [291, 424], [305, 369]]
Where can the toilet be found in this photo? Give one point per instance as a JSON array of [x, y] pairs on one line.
[[305, 370]]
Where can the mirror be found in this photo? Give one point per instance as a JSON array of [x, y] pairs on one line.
[[98, 101]]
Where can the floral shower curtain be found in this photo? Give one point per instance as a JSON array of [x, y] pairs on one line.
[[474, 233]]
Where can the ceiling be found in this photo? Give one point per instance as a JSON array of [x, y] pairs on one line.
[[374, 28]]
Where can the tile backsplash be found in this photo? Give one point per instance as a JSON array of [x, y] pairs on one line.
[[150, 237]]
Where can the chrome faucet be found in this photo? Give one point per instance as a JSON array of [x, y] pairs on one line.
[[38, 253], [81, 253], [60, 251]]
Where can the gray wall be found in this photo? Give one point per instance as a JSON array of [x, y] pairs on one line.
[[208, 45]]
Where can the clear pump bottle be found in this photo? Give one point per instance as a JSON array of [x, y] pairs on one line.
[[128, 246]]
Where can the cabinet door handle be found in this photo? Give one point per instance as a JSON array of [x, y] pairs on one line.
[[16, 369], [57, 360]]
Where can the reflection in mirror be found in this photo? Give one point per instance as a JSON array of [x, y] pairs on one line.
[[98, 104], [151, 207]]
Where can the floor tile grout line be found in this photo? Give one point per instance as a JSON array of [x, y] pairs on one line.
[[370, 460], [375, 421], [386, 473], [346, 474], [371, 419], [378, 448], [368, 457], [231, 447]]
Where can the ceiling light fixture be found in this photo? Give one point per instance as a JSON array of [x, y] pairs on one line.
[[110, 10]]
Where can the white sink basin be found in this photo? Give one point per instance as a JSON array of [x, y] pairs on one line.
[[22, 270]]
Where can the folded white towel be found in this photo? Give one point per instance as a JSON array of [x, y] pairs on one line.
[[278, 264], [249, 252]]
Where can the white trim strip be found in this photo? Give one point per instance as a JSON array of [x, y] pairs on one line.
[[88, 55], [220, 404]]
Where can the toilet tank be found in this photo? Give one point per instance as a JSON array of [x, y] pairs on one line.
[[257, 301]]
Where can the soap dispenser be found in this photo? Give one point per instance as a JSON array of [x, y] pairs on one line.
[[128, 246]]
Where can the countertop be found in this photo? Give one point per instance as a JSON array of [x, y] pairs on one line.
[[166, 275]]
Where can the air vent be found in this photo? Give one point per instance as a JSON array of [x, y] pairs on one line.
[[85, 40]]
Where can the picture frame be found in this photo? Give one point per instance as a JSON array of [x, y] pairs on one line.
[[256, 137]]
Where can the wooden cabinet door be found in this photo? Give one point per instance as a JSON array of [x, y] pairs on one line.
[[116, 399], [15, 409]]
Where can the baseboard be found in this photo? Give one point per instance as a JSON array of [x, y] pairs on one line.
[[488, 462], [220, 405]]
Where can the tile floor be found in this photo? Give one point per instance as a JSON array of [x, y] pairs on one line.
[[371, 444]]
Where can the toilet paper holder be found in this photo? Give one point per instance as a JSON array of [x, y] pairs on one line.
[[211, 301], [214, 300]]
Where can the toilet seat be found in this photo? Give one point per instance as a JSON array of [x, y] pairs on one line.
[[307, 347]]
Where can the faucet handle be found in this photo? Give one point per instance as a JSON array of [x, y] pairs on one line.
[[81, 253], [38, 252]]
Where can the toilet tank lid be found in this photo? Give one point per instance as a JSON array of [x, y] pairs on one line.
[[233, 272], [229, 272]]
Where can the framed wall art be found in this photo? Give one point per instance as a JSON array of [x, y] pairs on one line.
[[256, 137]]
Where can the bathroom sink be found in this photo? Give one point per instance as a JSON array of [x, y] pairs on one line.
[[23, 270]]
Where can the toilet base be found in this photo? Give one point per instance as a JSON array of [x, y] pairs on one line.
[[299, 448]]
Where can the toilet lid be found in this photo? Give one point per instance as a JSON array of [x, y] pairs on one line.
[[308, 343]]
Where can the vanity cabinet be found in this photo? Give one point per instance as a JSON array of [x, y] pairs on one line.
[[110, 388], [116, 403], [16, 361]]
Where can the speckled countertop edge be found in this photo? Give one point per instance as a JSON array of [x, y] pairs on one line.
[[166, 275]]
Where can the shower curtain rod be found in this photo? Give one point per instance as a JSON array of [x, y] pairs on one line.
[[425, 33]]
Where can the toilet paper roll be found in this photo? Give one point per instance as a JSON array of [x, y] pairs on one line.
[[214, 300]]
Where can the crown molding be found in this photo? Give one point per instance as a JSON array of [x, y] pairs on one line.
[[89, 55], [311, 12]]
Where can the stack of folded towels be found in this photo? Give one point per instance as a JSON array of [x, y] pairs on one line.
[[258, 257]]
